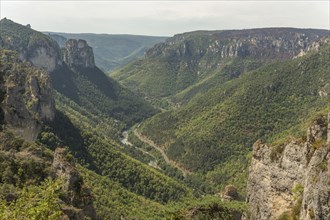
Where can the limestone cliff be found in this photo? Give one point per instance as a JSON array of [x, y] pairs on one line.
[[32, 45], [77, 53], [266, 43], [292, 180], [193, 62], [26, 96]]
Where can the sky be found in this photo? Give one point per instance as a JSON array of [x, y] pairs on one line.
[[164, 18]]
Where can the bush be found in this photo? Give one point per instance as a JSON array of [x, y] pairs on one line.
[[34, 203]]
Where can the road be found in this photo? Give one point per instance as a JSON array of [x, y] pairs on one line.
[[167, 160]]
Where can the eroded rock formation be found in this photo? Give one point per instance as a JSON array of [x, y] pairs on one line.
[[78, 53]]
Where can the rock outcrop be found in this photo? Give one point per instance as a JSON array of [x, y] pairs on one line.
[[75, 193], [292, 179], [77, 53], [27, 96]]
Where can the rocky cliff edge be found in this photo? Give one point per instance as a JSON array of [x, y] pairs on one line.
[[292, 181], [77, 53]]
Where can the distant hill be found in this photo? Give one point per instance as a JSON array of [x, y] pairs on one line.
[[215, 131], [193, 62], [112, 51]]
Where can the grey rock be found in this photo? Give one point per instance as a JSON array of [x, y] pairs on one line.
[[78, 53], [28, 97], [45, 57], [263, 44], [307, 163]]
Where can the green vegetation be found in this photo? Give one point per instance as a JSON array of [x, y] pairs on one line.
[[285, 216], [113, 201], [18, 165], [209, 207], [189, 64], [218, 109], [92, 148], [100, 95], [220, 126], [28, 188], [297, 191], [276, 152], [34, 202]]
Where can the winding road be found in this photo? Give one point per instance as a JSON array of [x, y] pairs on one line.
[[154, 145]]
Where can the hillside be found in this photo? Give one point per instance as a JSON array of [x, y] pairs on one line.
[[190, 63], [112, 51], [213, 133]]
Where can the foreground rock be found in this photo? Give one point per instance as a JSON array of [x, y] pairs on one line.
[[292, 180], [77, 197]]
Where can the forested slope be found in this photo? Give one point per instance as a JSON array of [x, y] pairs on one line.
[[217, 129], [191, 63]]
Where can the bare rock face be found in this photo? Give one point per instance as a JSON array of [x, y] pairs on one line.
[[293, 179], [328, 137], [47, 58], [75, 193], [78, 53], [32, 46], [27, 96], [263, 44]]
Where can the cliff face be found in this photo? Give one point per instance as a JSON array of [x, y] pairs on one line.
[[292, 179], [194, 62], [32, 46], [27, 96], [267, 43], [78, 53]]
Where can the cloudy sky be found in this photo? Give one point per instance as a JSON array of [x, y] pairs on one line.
[[164, 18]]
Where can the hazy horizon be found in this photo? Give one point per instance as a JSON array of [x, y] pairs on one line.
[[164, 18]]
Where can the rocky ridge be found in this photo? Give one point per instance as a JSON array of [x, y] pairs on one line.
[[292, 179], [194, 62]]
